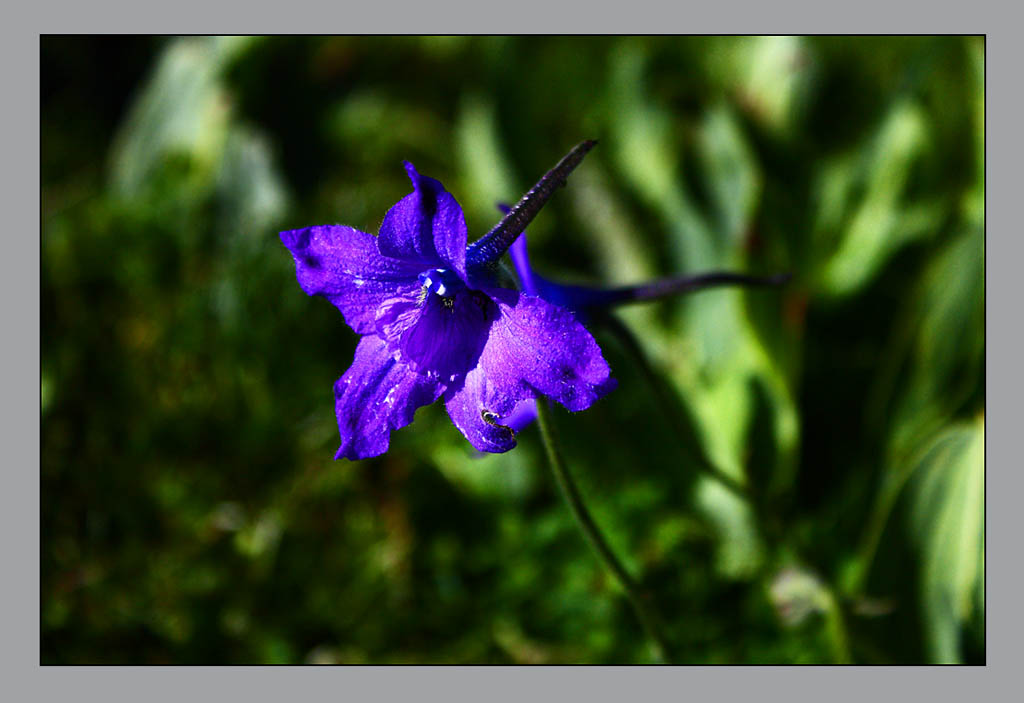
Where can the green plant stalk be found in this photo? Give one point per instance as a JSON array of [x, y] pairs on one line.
[[641, 601], [835, 626], [872, 535], [668, 408], [889, 492]]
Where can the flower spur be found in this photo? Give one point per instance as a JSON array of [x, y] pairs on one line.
[[435, 323], [588, 302], [585, 300]]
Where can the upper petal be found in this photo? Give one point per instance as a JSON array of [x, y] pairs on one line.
[[376, 395], [427, 226], [576, 298], [544, 347], [343, 265], [521, 261]]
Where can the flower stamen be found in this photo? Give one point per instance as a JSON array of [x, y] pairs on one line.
[[441, 282]]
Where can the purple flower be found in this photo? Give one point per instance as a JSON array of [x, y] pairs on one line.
[[584, 301], [434, 327]]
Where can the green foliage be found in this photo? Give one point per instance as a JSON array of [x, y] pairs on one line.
[[947, 521], [192, 512]]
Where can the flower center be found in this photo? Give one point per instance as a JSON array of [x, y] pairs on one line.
[[441, 330], [443, 282]]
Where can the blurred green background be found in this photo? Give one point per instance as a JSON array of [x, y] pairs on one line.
[[191, 509]]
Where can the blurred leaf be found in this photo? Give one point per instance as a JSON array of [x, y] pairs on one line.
[[622, 252], [976, 198], [644, 144], [509, 476], [183, 109], [740, 552], [251, 191], [386, 126], [770, 76], [947, 525], [731, 172], [947, 353], [879, 221], [488, 177], [714, 352], [45, 390]]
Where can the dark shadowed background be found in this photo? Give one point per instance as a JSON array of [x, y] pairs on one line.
[[191, 509]]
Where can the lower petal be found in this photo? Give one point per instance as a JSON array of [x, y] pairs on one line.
[[376, 395], [481, 410], [522, 415], [433, 335], [533, 348]]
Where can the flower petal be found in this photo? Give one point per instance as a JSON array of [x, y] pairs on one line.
[[435, 335], [343, 265], [576, 298], [427, 226], [376, 395], [533, 348], [524, 413], [544, 347], [521, 261], [478, 408]]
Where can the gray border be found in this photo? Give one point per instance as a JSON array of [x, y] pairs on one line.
[[20, 52], [19, 305], [519, 17], [495, 684]]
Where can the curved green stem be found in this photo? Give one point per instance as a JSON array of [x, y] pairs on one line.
[[835, 627], [771, 531], [670, 409], [876, 522], [640, 600], [656, 290]]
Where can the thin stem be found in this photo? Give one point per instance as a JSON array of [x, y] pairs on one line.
[[872, 535], [671, 410], [682, 284], [492, 245], [835, 626], [640, 601], [876, 522]]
